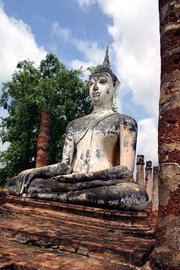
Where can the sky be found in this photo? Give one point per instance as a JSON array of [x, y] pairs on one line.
[[78, 31]]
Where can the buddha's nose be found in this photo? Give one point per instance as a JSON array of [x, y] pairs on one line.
[[95, 88]]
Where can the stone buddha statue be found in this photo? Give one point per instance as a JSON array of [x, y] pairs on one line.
[[98, 156]]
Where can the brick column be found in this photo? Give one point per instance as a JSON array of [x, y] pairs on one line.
[[155, 197], [140, 170], [166, 252], [148, 179]]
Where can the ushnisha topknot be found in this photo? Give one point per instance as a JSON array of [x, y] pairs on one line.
[[106, 68], [106, 62]]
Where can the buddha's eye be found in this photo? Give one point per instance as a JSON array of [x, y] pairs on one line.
[[91, 83], [102, 80]]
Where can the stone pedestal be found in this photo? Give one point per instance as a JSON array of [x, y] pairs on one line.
[[51, 235]]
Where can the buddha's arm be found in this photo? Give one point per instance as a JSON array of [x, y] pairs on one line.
[[63, 167], [128, 139]]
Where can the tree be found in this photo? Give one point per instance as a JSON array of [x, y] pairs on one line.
[[50, 70], [32, 93], [20, 128], [94, 69]]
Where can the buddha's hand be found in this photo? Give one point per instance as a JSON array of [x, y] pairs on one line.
[[73, 177], [64, 177], [30, 173], [25, 177]]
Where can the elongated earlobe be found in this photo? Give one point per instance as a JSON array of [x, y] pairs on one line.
[[115, 93]]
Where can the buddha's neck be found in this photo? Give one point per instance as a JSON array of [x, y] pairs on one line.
[[101, 109]]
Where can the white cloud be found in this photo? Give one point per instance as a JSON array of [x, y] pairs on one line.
[[17, 43], [85, 3], [93, 55], [78, 64], [90, 50], [63, 33], [148, 140]]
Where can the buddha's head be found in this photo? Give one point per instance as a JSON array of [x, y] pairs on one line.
[[103, 86]]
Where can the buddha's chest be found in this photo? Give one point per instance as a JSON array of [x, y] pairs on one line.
[[96, 130], [96, 144]]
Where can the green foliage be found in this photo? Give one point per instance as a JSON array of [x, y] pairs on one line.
[[94, 69], [31, 90]]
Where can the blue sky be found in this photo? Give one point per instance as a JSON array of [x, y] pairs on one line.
[[78, 31]]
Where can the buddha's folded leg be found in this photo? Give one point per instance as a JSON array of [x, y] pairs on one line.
[[50, 185], [115, 194], [123, 195]]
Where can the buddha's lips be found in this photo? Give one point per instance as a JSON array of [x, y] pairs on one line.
[[96, 94]]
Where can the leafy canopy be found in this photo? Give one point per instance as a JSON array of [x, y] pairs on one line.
[[31, 90]]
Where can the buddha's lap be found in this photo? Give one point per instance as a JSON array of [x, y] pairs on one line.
[[112, 193]]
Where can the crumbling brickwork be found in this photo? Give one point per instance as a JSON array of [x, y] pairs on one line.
[[166, 252]]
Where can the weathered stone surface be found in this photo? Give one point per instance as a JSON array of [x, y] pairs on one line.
[[166, 254], [168, 181], [106, 238], [169, 260], [169, 136], [170, 42], [168, 229], [168, 12], [149, 179], [170, 95], [155, 193], [140, 170], [114, 194]]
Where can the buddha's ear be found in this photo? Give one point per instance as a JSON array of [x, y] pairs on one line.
[[116, 89], [117, 86]]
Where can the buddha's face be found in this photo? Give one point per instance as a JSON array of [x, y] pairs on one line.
[[101, 89]]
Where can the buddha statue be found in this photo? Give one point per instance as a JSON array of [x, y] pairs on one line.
[[98, 157]]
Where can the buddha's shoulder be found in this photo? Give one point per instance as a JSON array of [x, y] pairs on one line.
[[123, 119], [78, 121], [115, 118], [127, 120]]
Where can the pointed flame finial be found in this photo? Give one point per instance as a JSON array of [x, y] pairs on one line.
[[106, 63]]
